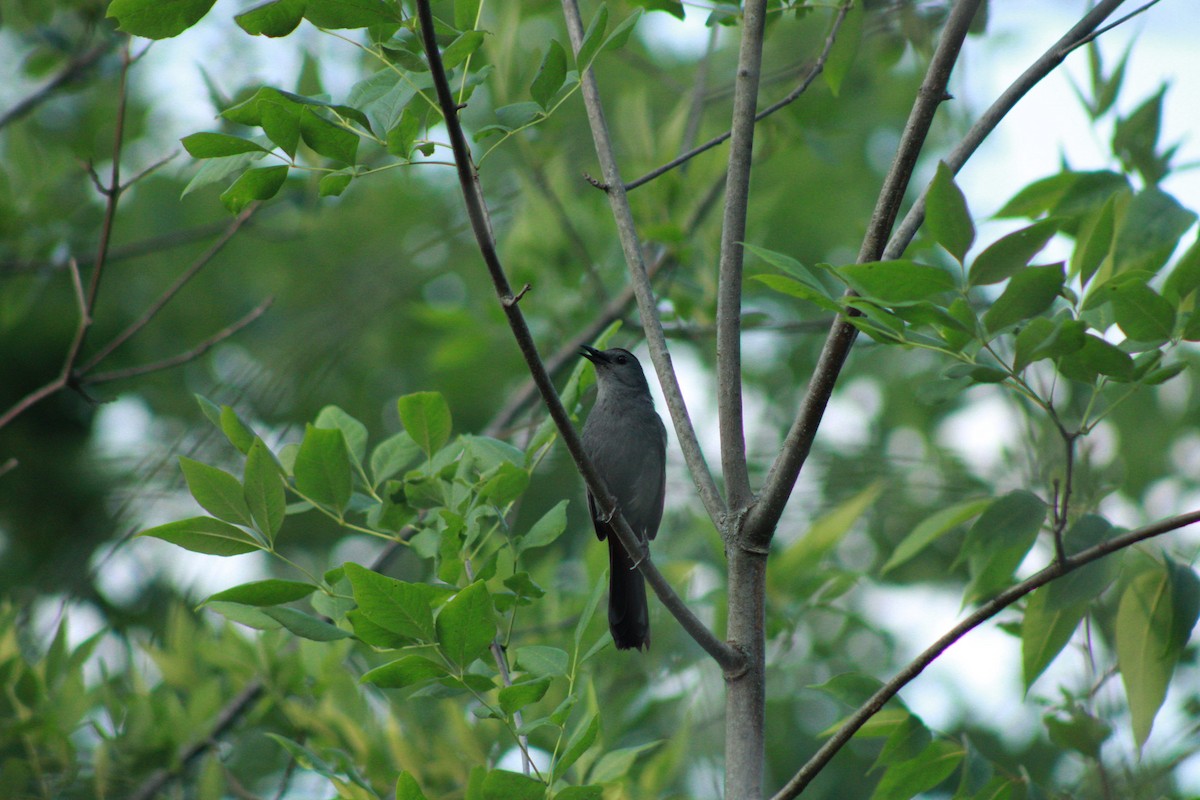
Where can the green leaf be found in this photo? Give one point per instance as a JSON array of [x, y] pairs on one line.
[[271, 592], [845, 48], [541, 660], [397, 606], [306, 626], [1096, 239], [219, 145], [1009, 254], [1080, 732], [1150, 231], [1045, 631], [589, 611], [999, 540], [1156, 614], [237, 432], [323, 468], [825, 532], [805, 290], [326, 138], [465, 626], [907, 741], [280, 121], [593, 37], [1185, 277], [908, 779], [1142, 314], [261, 183], [405, 672], [550, 75], [514, 698], [583, 737], [274, 19], [466, 14], [545, 530], [333, 184], [461, 49], [1047, 338], [501, 784], [217, 492], [393, 455], [402, 136], [896, 282], [586, 792], [932, 528], [850, 688], [1096, 357], [205, 535], [946, 216], [1030, 292], [426, 417], [349, 13], [353, 431], [157, 19], [263, 490], [506, 485], [615, 765], [620, 34], [407, 788]]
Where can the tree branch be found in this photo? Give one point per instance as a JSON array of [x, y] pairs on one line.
[[632, 250], [476, 208], [991, 608], [729, 281], [817, 68], [798, 442], [69, 73], [1080, 34], [154, 308], [181, 358]]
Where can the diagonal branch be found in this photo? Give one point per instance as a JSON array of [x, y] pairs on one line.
[[154, 308], [798, 442], [1080, 34], [991, 608], [729, 659], [73, 70], [632, 249], [817, 68], [191, 354]]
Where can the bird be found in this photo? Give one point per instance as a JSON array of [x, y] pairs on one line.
[[627, 442]]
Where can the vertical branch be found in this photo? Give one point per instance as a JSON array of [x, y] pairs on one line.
[[647, 307], [733, 234], [799, 439]]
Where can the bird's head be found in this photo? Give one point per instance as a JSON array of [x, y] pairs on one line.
[[617, 369]]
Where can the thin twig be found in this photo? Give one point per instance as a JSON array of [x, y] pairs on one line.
[[477, 213], [631, 247], [68, 74], [203, 260], [798, 442], [817, 68], [226, 719], [1055, 569], [188, 355], [66, 373]]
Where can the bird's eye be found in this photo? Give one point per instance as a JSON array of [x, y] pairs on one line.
[[622, 360]]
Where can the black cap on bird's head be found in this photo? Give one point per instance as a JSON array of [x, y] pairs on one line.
[[616, 367]]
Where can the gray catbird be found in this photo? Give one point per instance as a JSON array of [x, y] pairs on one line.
[[625, 438]]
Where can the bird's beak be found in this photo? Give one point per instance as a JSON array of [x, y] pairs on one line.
[[592, 354]]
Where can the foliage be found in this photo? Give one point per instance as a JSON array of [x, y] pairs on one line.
[[422, 623]]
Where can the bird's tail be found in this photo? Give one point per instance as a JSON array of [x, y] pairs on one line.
[[628, 614]]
